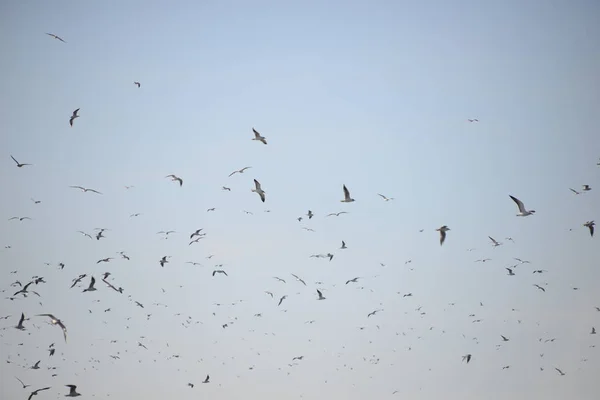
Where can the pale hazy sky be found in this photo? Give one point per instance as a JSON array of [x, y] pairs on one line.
[[375, 95]]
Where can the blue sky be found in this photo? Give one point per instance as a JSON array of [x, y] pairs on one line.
[[374, 95]]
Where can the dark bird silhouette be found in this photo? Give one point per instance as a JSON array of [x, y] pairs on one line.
[[19, 165]]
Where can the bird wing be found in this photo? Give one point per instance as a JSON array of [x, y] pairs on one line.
[[262, 196], [256, 134], [442, 237], [75, 112], [257, 184], [591, 229], [346, 193], [14, 160], [77, 187], [519, 203], [92, 190], [382, 196]]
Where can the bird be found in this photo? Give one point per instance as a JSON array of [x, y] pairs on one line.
[[373, 312], [206, 380], [467, 358], [85, 234], [337, 214], [258, 137], [175, 178], [190, 385], [24, 385], [504, 338], [55, 37], [560, 372], [56, 321], [35, 392], [299, 279], [19, 165], [343, 245], [219, 271], [586, 188], [138, 84], [72, 391], [320, 295], [573, 190], [36, 365], [593, 332], [196, 233], [510, 272], [239, 171], [107, 259], [310, 214], [91, 287], [539, 287], [19, 218], [259, 190], [352, 280], [494, 242], [442, 230], [590, 226], [473, 120], [347, 198], [522, 211], [279, 279], [85, 189], [163, 261], [282, 299], [385, 198], [73, 116], [20, 324]]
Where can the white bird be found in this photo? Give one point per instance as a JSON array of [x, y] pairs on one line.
[[494, 242], [259, 190], [72, 391], [586, 188], [347, 198], [522, 211], [56, 321], [91, 287], [175, 178], [590, 226], [239, 171], [442, 230], [55, 37], [75, 115], [320, 295], [258, 137], [385, 198]]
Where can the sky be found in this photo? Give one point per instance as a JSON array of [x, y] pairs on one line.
[[372, 95]]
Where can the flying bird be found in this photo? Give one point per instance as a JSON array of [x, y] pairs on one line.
[[19, 218], [510, 272], [560, 372], [138, 84], [320, 295], [522, 211], [347, 198], [219, 271], [163, 261], [239, 171], [73, 116], [281, 300], [55, 37], [24, 385], [442, 230], [593, 332], [56, 321], [343, 245], [467, 358], [473, 120], [72, 391], [259, 190], [573, 190], [196, 233], [91, 287], [206, 380], [385, 198], [299, 279], [352, 280], [337, 214], [258, 137], [35, 392], [373, 313], [586, 188], [310, 214], [19, 165], [590, 226], [85, 189], [20, 324], [504, 338], [539, 287], [175, 178], [494, 242]]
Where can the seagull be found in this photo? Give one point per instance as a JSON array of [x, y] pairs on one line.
[[85, 234], [72, 392], [24, 385], [522, 211], [347, 198], [330, 256], [75, 115], [337, 214], [259, 190], [163, 261], [442, 230], [510, 272], [85, 189], [19, 218], [196, 233], [91, 287], [310, 214], [279, 279], [258, 137], [36, 365], [560, 372], [373, 312], [385, 198], [473, 120], [281, 300], [219, 271], [343, 245], [590, 226], [55, 37], [56, 321], [107, 259], [239, 171], [504, 338], [320, 295], [586, 188], [352, 280], [25, 291], [207, 379], [573, 190], [19, 165], [494, 242], [299, 279], [20, 325], [138, 84], [593, 332], [467, 358], [175, 178], [35, 392], [196, 240], [539, 287]]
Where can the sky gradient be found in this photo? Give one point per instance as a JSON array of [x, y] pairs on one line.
[[374, 95]]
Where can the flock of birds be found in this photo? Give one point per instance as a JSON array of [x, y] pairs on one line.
[[25, 288]]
